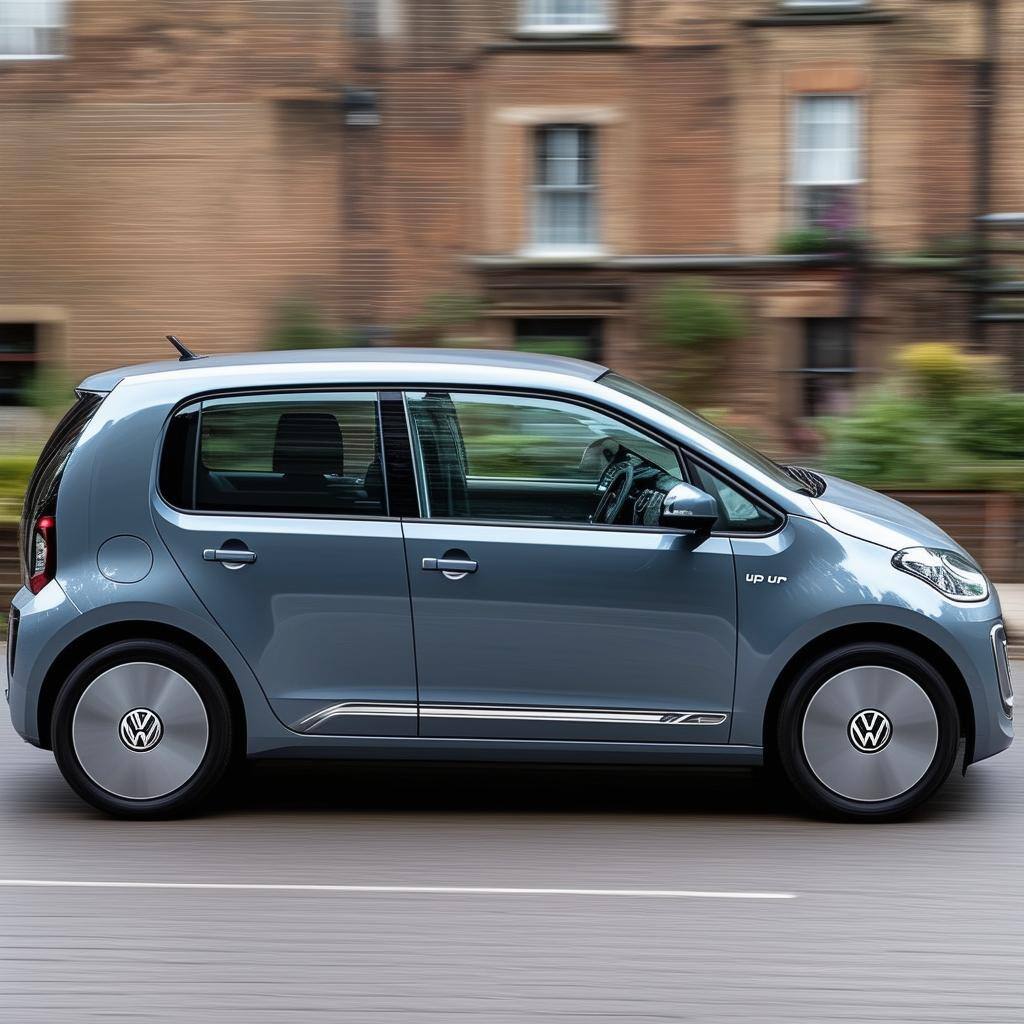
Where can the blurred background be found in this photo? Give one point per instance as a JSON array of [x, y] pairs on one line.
[[798, 217]]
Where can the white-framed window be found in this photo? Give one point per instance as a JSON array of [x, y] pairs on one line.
[[32, 29], [564, 189], [372, 19], [827, 160], [565, 15]]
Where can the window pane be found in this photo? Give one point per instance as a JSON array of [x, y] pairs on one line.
[[31, 28], [524, 458], [564, 208], [576, 337], [829, 368], [735, 511], [312, 453], [590, 14], [826, 140]]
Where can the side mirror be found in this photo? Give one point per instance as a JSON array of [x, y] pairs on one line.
[[689, 508]]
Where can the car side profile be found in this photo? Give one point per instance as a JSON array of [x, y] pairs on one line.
[[458, 555]]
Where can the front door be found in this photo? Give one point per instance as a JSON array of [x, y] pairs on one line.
[[275, 509], [532, 621]]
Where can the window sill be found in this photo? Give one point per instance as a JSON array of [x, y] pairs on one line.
[[31, 56], [822, 16], [563, 254], [548, 41]]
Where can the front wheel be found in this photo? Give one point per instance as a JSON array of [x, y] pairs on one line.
[[868, 732], [142, 729]]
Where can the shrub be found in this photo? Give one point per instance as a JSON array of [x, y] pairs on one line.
[[300, 324], [943, 423], [690, 315], [15, 471]]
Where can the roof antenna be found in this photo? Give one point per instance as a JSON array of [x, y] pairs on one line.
[[185, 354]]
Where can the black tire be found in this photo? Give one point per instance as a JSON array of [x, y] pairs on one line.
[[854, 786], [149, 660]]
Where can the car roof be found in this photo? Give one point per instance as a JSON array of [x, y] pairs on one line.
[[382, 359]]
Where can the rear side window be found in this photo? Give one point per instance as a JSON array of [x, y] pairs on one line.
[[41, 495], [315, 453]]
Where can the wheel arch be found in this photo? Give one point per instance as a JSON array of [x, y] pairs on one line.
[[95, 639], [899, 636]]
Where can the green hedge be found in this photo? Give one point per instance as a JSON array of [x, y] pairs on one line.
[[15, 471], [944, 423]]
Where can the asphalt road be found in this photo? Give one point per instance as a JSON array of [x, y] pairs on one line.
[[921, 921]]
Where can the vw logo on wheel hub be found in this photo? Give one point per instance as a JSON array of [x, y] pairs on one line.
[[140, 729], [869, 731]]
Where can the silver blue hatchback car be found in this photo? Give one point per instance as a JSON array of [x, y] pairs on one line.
[[455, 555]]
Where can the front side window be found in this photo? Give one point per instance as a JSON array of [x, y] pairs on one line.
[[736, 512], [733, 445], [564, 188], [510, 457], [564, 16], [316, 454], [827, 161], [31, 28]]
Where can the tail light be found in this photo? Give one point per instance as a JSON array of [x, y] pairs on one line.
[[43, 564]]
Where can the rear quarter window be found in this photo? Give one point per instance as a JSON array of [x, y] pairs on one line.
[[41, 495]]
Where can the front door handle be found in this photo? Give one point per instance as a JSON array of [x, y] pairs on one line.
[[231, 557], [453, 565]]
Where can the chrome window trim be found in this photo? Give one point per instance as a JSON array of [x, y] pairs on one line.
[[681, 450]]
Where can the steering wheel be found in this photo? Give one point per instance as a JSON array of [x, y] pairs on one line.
[[620, 483]]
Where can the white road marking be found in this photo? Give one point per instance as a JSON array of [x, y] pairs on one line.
[[455, 890]]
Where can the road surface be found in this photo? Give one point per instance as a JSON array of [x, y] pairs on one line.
[[797, 920]]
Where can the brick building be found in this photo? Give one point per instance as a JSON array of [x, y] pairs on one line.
[[184, 165]]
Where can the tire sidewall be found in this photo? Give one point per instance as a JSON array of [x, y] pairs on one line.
[[219, 744], [789, 738]]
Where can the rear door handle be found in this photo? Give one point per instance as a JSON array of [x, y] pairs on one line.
[[229, 555], [460, 565]]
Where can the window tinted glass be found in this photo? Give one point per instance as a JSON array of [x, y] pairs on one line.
[[514, 457], [736, 512], [41, 493], [690, 419], [299, 453]]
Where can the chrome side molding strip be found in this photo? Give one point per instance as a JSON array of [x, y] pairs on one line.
[[542, 714], [509, 712], [349, 708]]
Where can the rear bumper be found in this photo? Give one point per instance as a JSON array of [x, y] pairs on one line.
[[40, 617]]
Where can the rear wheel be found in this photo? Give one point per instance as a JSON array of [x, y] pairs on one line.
[[142, 729], [868, 732]]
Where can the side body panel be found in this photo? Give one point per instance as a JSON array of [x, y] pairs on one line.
[[826, 580], [322, 615], [561, 621]]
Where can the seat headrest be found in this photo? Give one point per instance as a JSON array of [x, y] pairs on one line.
[[308, 444]]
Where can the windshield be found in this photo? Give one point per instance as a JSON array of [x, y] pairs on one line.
[[707, 429]]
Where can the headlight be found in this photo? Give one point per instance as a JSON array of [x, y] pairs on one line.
[[949, 573]]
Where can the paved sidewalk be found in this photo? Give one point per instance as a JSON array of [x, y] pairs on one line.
[[1012, 597]]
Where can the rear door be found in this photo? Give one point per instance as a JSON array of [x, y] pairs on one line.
[[275, 508]]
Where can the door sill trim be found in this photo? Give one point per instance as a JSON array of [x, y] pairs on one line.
[[510, 712]]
